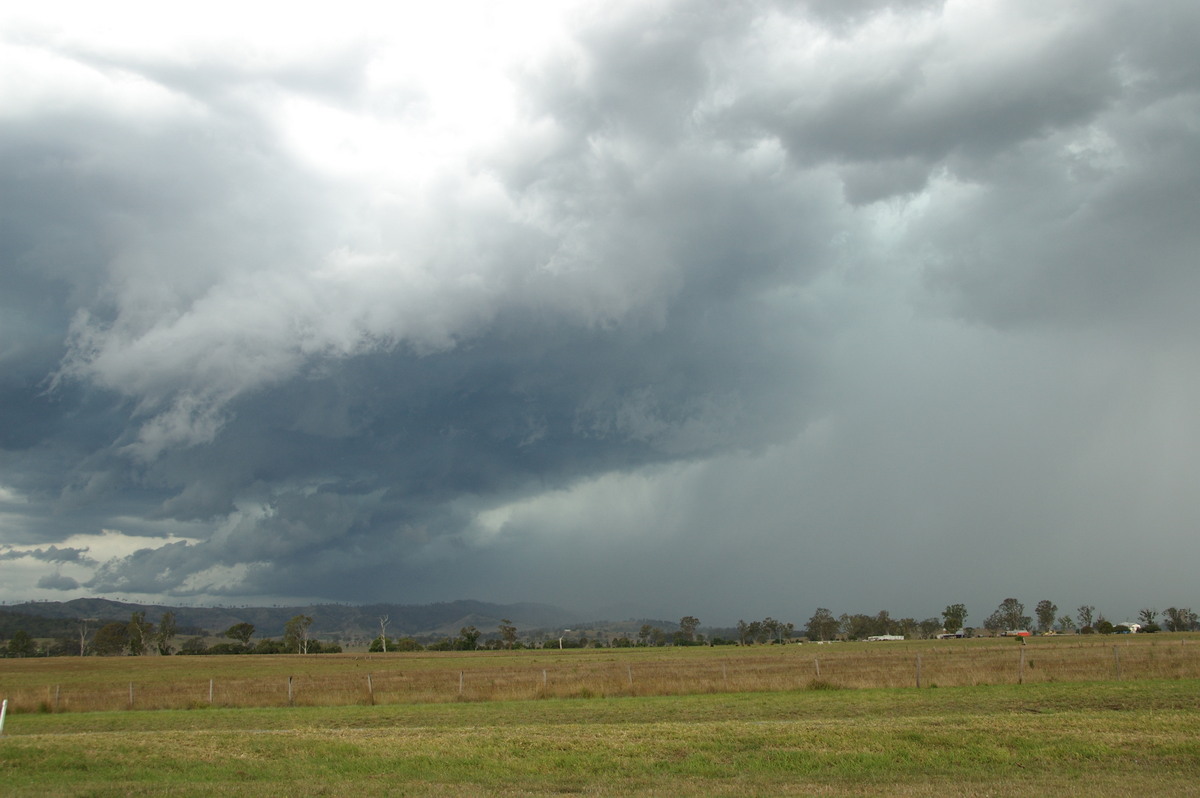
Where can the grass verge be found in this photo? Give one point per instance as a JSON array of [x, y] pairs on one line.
[[1104, 738]]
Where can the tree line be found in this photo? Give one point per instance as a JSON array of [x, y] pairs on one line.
[[139, 636]]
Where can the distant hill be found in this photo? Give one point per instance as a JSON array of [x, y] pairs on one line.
[[330, 621]]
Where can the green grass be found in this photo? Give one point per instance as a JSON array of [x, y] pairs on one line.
[[1103, 738]]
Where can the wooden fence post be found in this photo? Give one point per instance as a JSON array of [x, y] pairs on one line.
[[918, 671], [291, 694]]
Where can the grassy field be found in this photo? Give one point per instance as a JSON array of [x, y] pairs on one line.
[[71, 684], [1061, 739]]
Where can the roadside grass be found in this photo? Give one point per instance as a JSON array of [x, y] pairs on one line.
[[69, 684], [1103, 738]]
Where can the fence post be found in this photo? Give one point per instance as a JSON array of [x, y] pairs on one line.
[[460, 682], [3, 712], [57, 688], [210, 691], [629, 672], [918, 671], [817, 665], [291, 694], [131, 695], [1117, 660], [370, 690], [1021, 671]]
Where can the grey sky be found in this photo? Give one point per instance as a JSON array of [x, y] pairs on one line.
[[646, 308]]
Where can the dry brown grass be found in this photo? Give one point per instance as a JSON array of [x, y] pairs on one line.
[[92, 684]]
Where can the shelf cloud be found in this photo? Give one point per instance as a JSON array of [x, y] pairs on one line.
[[721, 309]]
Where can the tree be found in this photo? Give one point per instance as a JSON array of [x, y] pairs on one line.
[[140, 632], [645, 632], [21, 645], [241, 632], [1065, 623], [1147, 616], [1045, 611], [193, 645], [1085, 614], [1012, 615], [295, 634], [822, 625], [928, 628], [383, 622], [1180, 619], [165, 634], [953, 616], [857, 626], [508, 632], [687, 628], [468, 638], [111, 639]]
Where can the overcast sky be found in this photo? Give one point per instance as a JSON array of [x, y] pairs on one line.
[[640, 309]]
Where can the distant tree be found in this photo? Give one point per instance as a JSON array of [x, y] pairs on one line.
[[995, 622], [1179, 619], [193, 645], [295, 634], [1012, 615], [241, 632], [770, 629], [857, 626], [929, 627], [1045, 612], [140, 632], [21, 645], [165, 633], [822, 625], [687, 628], [407, 644], [271, 646], [383, 641], [1065, 623], [1086, 616], [1104, 627], [508, 633], [644, 634], [1147, 616], [953, 617], [111, 639], [468, 638]]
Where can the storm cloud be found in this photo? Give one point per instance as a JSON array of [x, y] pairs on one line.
[[646, 308]]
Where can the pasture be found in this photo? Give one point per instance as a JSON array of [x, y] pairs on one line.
[[70, 684], [752, 721]]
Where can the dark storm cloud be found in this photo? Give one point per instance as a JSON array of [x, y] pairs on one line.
[[734, 295]]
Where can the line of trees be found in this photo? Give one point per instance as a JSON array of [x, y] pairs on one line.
[[138, 636]]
